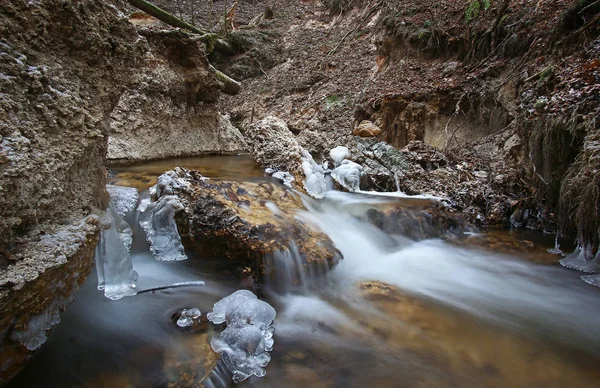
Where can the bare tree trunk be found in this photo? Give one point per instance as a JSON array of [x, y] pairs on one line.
[[193, 20], [179, 9], [501, 13]]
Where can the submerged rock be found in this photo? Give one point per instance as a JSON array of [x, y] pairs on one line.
[[244, 221], [417, 222]]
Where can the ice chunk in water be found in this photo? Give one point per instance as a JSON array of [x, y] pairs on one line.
[[124, 198], [158, 222], [242, 306], [348, 175], [113, 262], [249, 334], [243, 350], [338, 154], [189, 317]]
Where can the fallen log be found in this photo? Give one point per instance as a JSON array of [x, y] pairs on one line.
[[212, 41]]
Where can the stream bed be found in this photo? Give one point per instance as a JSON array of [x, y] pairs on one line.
[[491, 310]]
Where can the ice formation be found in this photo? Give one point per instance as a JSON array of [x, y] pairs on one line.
[[113, 261], [338, 154], [158, 221], [315, 182], [348, 175], [593, 280], [124, 198], [284, 177], [245, 343], [580, 261], [189, 317]]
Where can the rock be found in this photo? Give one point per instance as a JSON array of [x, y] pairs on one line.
[[63, 67], [417, 222], [41, 284], [177, 82], [366, 129], [274, 146], [245, 221]]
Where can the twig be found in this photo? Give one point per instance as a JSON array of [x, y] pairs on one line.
[[198, 283]]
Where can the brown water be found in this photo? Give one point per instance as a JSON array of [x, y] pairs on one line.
[[492, 310]]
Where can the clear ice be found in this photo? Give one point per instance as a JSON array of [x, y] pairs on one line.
[[158, 221], [189, 317], [245, 343], [593, 280], [113, 261], [124, 198]]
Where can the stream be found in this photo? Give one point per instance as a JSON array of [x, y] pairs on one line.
[[481, 311]]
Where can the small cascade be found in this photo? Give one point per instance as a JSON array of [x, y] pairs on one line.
[[288, 271]]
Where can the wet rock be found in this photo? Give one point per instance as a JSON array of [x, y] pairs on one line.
[[48, 270], [244, 221], [366, 129], [58, 88], [417, 223]]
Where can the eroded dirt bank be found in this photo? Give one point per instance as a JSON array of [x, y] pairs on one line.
[[506, 92]]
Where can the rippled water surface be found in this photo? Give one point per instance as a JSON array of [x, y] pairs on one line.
[[489, 310]]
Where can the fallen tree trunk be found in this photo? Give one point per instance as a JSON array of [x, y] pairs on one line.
[[227, 84], [212, 41]]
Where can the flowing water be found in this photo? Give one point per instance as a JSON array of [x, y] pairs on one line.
[[490, 310]]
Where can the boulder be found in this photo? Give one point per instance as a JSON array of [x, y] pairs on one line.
[[246, 221], [274, 146], [366, 129]]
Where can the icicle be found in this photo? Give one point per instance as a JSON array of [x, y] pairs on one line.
[[113, 261], [158, 221], [315, 183]]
